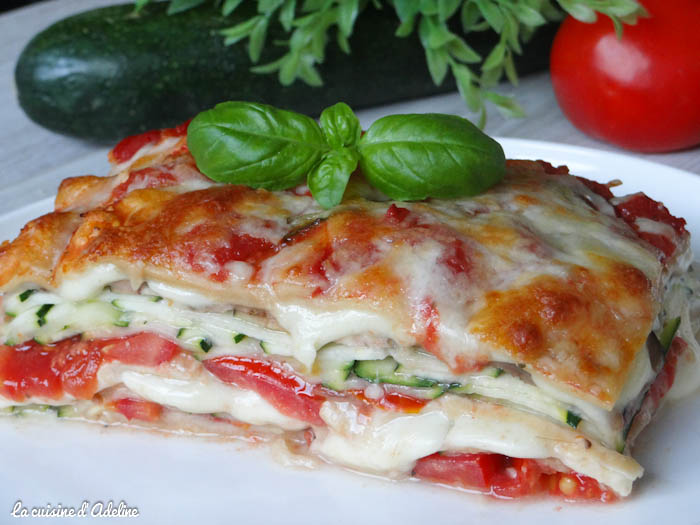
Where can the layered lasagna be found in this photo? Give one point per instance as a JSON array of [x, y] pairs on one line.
[[511, 343]]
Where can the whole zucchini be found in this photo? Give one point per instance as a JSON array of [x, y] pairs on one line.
[[107, 73]]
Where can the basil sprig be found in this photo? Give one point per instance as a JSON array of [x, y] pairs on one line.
[[407, 157]]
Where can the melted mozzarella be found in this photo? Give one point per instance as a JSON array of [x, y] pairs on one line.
[[147, 149], [311, 329], [499, 436], [90, 282], [640, 375], [655, 227], [386, 442], [208, 396], [390, 443], [180, 295]]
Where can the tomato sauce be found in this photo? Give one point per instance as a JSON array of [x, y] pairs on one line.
[[596, 187], [506, 477], [392, 401], [142, 179], [241, 247], [632, 208], [128, 147], [551, 169], [456, 258], [317, 264], [396, 215], [640, 206], [427, 322]]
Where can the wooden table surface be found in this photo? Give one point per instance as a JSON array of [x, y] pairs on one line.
[[34, 160]]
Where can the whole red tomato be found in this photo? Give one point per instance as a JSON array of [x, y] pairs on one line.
[[641, 92]]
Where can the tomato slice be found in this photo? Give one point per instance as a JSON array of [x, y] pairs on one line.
[[70, 366], [141, 409], [145, 348], [275, 382], [519, 477], [578, 487], [48, 371], [507, 477], [474, 471]]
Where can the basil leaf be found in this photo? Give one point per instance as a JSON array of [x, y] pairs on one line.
[[255, 144], [411, 157], [340, 126], [327, 181]]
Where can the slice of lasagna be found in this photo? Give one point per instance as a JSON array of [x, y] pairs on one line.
[[511, 343]]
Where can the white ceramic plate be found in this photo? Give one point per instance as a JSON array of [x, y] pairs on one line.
[[172, 479]]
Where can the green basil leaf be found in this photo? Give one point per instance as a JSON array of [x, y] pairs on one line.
[[412, 157], [340, 126], [327, 181], [255, 144]]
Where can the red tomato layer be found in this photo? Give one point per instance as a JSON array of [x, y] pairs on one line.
[[141, 409], [275, 382], [144, 349], [632, 208], [640, 206], [70, 366], [661, 385], [291, 394], [394, 401], [142, 179], [30, 369], [507, 477], [128, 147]]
